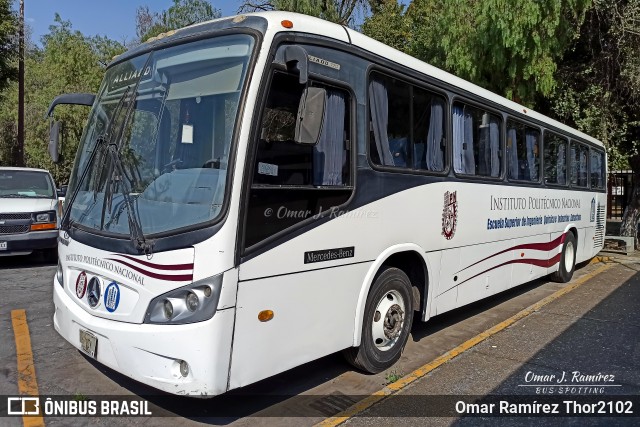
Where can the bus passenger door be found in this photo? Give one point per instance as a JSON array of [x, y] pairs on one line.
[[290, 308]]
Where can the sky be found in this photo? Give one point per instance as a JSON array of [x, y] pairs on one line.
[[112, 18]]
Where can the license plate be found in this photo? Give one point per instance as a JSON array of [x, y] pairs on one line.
[[3, 246], [88, 343]]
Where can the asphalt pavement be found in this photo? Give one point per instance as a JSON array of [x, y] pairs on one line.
[[582, 347]]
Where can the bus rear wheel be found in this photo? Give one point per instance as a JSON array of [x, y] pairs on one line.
[[386, 324], [567, 260]]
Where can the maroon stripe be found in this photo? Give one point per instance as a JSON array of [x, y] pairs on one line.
[[537, 262], [535, 246], [159, 266], [168, 277]]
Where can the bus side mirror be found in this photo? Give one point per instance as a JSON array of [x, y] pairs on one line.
[[55, 139], [310, 116]]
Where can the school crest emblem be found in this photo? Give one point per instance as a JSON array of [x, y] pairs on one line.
[[450, 214]]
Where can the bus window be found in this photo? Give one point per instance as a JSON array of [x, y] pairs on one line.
[[523, 156], [597, 169], [555, 159], [476, 141], [578, 158], [407, 125], [321, 165], [293, 182], [428, 131]]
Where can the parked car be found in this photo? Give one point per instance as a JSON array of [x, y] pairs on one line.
[[28, 212]]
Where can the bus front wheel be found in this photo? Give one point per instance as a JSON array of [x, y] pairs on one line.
[[567, 260], [386, 324]]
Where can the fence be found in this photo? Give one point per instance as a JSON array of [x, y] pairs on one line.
[[619, 189]]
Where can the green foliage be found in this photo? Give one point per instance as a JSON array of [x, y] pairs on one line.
[[339, 11], [8, 44], [67, 62], [393, 376], [181, 14], [600, 86], [510, 48], [388, 24]]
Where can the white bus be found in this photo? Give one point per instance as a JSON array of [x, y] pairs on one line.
[[256, 192]]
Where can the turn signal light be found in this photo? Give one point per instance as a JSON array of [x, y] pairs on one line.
[[287, 24], [265, 315], [45, 226]]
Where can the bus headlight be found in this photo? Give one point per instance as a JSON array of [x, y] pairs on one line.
[[193, 301], [168, 309], [189, 304]]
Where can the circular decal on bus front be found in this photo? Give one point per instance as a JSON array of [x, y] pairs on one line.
[[112, 297], [81, 285], [93, 292]]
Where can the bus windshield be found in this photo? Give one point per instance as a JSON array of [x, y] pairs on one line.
[[162, 127]]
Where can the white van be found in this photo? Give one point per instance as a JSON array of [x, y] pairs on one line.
[[28, 212]]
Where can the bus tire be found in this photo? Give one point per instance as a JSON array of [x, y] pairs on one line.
[[567, 260], [386, 324]]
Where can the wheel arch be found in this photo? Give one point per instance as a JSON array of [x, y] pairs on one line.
[[573, 229], [411, 259], [570, 228]]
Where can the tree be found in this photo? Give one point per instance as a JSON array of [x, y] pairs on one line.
[[600, 89], [510, 48], [8, 44], [388, 24], [67, 62], [338, 11], [181, 14]]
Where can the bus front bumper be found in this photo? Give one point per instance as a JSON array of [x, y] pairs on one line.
[[152, 354]]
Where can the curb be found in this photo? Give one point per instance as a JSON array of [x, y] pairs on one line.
[[600, 258]]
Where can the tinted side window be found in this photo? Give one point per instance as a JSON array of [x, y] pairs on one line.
[[429, 137], [407, 125], [555, 159], [476, 141], [598, 168], [578, 160], [280, 161], [294, 182], [523, 151]]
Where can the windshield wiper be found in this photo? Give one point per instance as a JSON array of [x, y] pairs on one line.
[[100, 141], [135, 228], [113, 149], [16, 196]]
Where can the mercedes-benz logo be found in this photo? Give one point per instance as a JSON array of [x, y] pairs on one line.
[[93, 292]]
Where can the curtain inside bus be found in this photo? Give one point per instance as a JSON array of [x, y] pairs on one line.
[[597, 172], [562, 164], [329, 155], [512, 153], [531, 139], [489, 161], [435, 152], [380, 118], [463, 158]]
